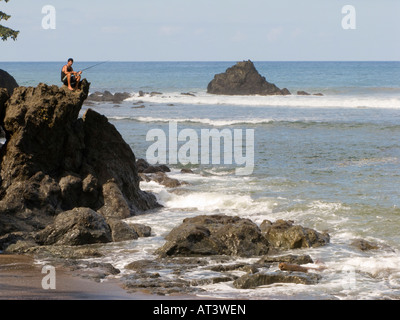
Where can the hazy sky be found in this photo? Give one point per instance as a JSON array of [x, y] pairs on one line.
[[181, 30]]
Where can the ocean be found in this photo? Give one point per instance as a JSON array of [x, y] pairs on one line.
[[330, 162]]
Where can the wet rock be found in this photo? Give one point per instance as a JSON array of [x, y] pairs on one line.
[[294, 259], [96, 271], [155, 285], [243, 79], [141, 229], [144, 167], [121, 231], [158, 174], [76, 227], [163, 179], [213, 280], [115, 204], [285, 235], [250, 281], [364, 245], [302, 93], [107, 96], [235, 267], [186, 171], [141, 265], [16, 242], [71, 191], [215, 235]]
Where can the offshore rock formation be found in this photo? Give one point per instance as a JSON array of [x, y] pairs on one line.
[[54, 162], [243, 79]]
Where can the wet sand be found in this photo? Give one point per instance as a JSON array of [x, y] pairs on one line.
[[21, 279]]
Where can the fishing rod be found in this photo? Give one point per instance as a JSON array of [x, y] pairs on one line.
[[97, 64]]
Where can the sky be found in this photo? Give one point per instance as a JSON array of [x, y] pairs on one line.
[[202, 30]]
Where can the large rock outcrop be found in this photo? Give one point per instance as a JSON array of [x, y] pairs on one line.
[[243, 79], [53, 161], [7, 81]]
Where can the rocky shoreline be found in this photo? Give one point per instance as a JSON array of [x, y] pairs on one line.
[[58, 170], [69, 183]]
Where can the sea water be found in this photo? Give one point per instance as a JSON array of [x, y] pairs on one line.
[[326, 162]]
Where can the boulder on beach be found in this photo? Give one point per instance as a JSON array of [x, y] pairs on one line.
[[7, 81], [283, 234], [243, 79], [76, 227], [215, 235], [53, 161], [251, 281], [235, 236]]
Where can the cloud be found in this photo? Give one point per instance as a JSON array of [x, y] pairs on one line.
[[297, 32], [112, 29], [274, 34], [169, 30], [239, 36]]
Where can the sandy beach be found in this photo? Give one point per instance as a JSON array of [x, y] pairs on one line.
[[21, 279]]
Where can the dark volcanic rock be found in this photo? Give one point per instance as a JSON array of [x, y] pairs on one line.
[[290, 258], [234, 236], [303, 93], [76, 227], [107, 96], [364, 245], [7, 81], [145, 167], [243, 79], [250, 281], [215, 235], [284, 235], [110, 159], [53, 161], [121, 231]]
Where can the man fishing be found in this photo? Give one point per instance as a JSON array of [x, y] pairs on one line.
[[69, 77]]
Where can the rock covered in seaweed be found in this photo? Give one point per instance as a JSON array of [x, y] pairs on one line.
[[243, 79]]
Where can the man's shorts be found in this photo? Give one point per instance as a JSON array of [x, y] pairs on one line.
[[73, 80]]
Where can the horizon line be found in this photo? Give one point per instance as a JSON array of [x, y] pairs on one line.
[[142, 61]]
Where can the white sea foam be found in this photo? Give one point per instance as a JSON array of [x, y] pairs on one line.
[[332, 101], [213, 122]]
